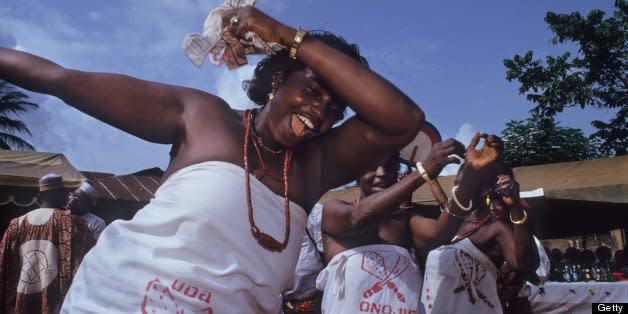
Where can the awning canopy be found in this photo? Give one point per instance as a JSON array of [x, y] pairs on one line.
[[569, 198], [23, 169], [599, 180]]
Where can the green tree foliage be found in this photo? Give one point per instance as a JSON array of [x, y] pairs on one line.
[[597, 76], [12, 104], [614, 135], [540, 140]]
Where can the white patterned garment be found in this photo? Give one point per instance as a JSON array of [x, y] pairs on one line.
[[574, 297], [191, 250], [459, 278], [310, 261], [378, 278]]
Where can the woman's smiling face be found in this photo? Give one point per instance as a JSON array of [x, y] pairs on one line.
[[302, 108]]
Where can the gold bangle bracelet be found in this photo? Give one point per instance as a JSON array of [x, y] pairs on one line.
[[426, 177], [454, 189], [522, 220], [296, 43]]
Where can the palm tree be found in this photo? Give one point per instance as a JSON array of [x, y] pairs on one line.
[[13, 103]]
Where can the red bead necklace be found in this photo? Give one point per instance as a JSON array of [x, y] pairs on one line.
[[472, 230], [264, 239]]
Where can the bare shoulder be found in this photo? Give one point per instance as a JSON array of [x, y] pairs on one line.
[[196, 101], [335, 212], [498, 229], [335, 206], [204, 112], [210, 130], [501, 226], [418, 218]]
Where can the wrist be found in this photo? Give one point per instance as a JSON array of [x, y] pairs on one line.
[[423, 172], [286, 35]]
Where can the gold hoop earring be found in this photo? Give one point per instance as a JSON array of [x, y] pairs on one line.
[[271, 95]]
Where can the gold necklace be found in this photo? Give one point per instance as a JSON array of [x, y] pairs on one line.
[[259, 138]]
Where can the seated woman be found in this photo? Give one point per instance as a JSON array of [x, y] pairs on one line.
[[367, 243], [461, 277], [214, 236]]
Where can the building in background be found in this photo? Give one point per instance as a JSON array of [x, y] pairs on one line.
[[121, 196]]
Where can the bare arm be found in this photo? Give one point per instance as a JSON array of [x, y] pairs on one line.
[[438, 193], [386, 119], [340, 217], [149, 110], [517, 243], [429, 233], [370, 210]]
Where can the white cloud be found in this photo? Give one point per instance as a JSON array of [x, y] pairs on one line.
[[229, 86], [138, 38], [464, 135], [6, 39]]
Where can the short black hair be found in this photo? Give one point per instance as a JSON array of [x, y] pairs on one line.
[[260, 85]]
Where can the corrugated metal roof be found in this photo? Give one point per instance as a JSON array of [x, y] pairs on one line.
[[139, 187]]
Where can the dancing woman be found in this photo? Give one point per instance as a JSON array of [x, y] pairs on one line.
[[215, 237], [461, 277]]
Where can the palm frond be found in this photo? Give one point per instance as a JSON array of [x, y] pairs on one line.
[[8, 124], [15, 102], [9, 141]]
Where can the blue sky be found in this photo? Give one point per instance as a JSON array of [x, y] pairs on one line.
[[446, 55]]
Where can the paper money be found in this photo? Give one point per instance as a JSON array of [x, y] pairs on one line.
[[235, 53]]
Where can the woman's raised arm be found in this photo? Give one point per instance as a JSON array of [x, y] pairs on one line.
[[149, 110], [386, 119], [517, 244]]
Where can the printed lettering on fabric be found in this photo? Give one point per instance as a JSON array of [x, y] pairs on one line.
[[39, 266], [385, 269], [162, 298], [472, 274], [428, 296], [373, 307]]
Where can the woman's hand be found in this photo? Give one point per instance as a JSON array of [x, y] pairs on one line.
[[492, 149], [508, 189], [440, 156], [242, 20]]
